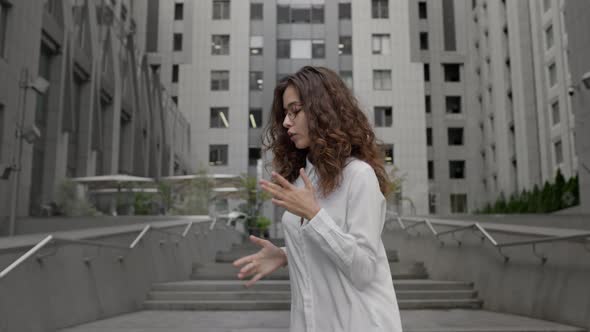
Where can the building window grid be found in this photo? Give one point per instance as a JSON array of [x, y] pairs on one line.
[[388, 154], [345, 45], [424, 41], [346, 76], [452, 72], [383, 116], [219, 117], [427, 72], [558, 152], [453, 104], [458, 203], [381, 79], [175, 73], [552, 73], [344, 11], [381, 43], [318, 49], [555, 113], [256, 11], [422, 10], [178, 11], [428, 104], [219, 80], [549, 37], [255, 118], [219, 44], [457, 169], [429, 136], [380, 9], [256, 80], [221, 9], [177, 42], [218, 155], [256, 45], [455, 136], [253, 155]]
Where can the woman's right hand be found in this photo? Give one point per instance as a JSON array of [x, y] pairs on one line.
[[262, 263]]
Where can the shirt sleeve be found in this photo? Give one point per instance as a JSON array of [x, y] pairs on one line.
[[284, 249], [354, 252]]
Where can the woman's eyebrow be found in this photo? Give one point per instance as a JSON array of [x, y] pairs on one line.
[[291, 103]]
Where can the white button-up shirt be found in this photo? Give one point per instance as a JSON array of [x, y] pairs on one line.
[[339, 272]]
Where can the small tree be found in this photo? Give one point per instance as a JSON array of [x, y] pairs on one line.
[[254, 199], [70, 203], [195, 198]]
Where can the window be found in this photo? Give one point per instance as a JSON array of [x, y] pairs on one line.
[[346, 76], [178, 11], [457, 169], [558, 152], [458, 203], [256, 45], [555, 112], [388, 153], [455, 136], [219, 80], [549, 37], [256, 11], [256, 81], [431, 203], [381, 79], [431, 170], [300, 49], [453, 104], [452, 72], [255, 118], [280, 76], [426, 72], [218, 155], [175, 73], [221, 9], [177, 42], [423, 40], [3, 27], [428, 136], [381, 44], [219, 117], [427, 104], [318, 49], [344, 11], [283, 48], [345, 45], [300, 13], [552, 71], [219, 44], [383, 116], [253, 156], [380, 8], [422, 10], [283, 14], [317, 14]]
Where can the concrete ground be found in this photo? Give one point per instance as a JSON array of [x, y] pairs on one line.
[[278, 321]]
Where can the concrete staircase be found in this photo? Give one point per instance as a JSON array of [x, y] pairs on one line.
[[214, 286]]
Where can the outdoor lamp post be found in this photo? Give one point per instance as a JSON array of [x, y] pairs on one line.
[[29, 134]]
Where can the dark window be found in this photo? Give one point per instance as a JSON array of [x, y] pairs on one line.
[[388, 153], [175, 100], [457, 169], [346, 76], [219, 117], [256, 80], [256, 45], [429, 136], [256, 11], [380, 8], [423, 40], [283, 48], [458, 203], [422, 10], [426, 72], [219, 80], [345, 45], [449, 25], [175, 73], [431, 203], [558, 152], [221, 9], [253, 156], [3, 27], [427, 104], [178, 11], [344, 11], [453, 104], [452, 72], [318, 49], [383, 116], [220, 44], [431, 170], [218, 155], [381, 79], [301, 14], [317, 14], [555, 112], [455, 136], [178, 42], [255, 118], [283, 14]]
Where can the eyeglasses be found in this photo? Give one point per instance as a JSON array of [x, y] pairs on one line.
[[293, 110]]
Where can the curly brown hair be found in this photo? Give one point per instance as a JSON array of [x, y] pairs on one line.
[[338, 129]]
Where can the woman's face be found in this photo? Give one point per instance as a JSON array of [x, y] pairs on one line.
[[295, 120]]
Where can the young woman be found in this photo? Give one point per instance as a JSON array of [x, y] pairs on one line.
[[330, 178]]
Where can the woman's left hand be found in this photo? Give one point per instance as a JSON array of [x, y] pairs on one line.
[[299, 201]]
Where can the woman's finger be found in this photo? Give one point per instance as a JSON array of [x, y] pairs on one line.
[[271, 185], [247, 270], [241, 261], [254, 280], [273, 192], [282, 181], [279, 203], [258, 241]]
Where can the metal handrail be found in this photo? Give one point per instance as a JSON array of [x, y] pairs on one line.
[[52, 238], [486, 235]]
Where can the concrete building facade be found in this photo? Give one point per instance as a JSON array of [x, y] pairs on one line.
[[77, 90]]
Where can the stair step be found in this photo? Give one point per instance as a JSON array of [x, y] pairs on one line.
[[243, 295], [221, 286], [218, 305], [428, 284], [435, 294], [441, 304]]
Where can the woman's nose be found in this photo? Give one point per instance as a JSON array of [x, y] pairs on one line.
[[287, 122]]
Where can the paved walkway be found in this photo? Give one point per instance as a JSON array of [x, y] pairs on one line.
[[278, 321]]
